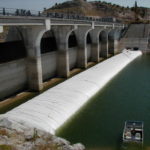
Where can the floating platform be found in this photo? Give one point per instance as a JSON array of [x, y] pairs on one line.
[[133, 132]]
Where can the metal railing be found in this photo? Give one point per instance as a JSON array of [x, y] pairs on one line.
[[17, 12]]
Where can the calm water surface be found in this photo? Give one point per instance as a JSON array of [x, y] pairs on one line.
[[99, 124]]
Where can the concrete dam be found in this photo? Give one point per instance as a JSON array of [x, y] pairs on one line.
[[136, 36], [94, 41], [42, 48]]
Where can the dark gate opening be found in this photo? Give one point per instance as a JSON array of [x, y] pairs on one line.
[[48, 42], [72, 42], [13, 50]]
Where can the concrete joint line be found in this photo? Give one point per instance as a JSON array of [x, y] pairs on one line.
[[75, 27]]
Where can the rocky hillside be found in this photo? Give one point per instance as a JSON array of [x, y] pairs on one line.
[[97, 8]]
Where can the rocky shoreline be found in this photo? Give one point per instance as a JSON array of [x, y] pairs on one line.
[[31, 139]]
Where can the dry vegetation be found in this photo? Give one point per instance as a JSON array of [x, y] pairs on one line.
[[98, 8]]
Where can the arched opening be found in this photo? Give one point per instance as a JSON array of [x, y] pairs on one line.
[[13, 77], [48, 42], [88, 42], [103, 39], [72, 45], [88, 39], [11, 45], [72, 41], [49, 55]]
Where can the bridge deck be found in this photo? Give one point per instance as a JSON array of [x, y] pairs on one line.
[[30, 20]]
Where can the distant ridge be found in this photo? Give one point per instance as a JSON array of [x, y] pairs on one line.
[[98, 8]]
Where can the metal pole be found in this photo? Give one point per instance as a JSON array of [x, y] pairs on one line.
[[39, 14], [4, 12]]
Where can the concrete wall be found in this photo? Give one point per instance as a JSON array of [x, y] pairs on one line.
[[49, 63], [88, 52], [72, 57], [136, 36], [13, 77], [141, 43]]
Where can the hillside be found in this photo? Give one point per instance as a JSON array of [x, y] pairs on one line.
[[97, 8]]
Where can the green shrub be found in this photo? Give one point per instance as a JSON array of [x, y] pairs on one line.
[[6, 147]]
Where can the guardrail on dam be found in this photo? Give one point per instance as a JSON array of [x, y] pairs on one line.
[[51, 109]]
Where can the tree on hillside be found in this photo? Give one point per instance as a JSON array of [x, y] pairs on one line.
[[135, 10], [135, 6]]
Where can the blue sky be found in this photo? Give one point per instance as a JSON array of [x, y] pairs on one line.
[[40, 4]]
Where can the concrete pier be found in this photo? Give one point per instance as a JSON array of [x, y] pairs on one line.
[[81, 35], [113, 38], [32, 38], [51, 109], [62, 36], [104, 44], [95, 47]]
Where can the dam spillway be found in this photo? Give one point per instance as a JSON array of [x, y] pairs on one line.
[[52, 108]]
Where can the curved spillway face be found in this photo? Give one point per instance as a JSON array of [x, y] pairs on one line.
[[52, 108]]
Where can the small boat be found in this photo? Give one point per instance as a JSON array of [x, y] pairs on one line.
[[133, 132]]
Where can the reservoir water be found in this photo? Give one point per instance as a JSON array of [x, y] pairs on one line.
[[99, 124]]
